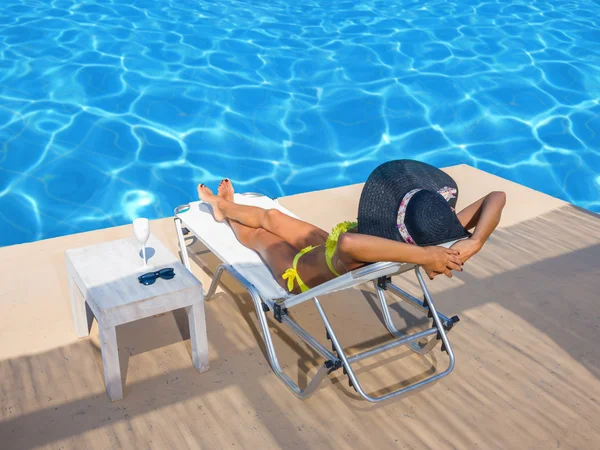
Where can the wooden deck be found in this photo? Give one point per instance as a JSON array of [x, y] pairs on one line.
[[527, 371]]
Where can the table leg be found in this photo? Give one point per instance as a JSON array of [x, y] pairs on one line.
[[78, 307], [198, 336], [110, 360]]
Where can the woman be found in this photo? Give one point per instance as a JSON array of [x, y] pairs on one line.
[[406, 214]]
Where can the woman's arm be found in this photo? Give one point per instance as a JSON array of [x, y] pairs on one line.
[[471, 215], [483, 215], [355, 249]]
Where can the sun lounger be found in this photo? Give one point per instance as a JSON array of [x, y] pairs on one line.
[[269, 297]]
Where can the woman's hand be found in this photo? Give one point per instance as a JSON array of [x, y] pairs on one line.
[[467, 248], [441, 260]]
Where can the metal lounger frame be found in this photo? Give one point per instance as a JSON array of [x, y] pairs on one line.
[[380, 274]]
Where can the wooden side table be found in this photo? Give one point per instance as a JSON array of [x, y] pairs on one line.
[[105, 277]]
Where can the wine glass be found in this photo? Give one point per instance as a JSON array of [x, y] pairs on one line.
[[141, 229]]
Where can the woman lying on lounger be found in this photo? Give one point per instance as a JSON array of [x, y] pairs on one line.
[[406, 214]]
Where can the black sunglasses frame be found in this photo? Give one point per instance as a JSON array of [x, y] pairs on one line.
[[168, 273]]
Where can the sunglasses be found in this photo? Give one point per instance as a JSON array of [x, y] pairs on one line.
[[149, 278]]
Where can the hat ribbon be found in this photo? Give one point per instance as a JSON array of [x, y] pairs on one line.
[[446, 192]]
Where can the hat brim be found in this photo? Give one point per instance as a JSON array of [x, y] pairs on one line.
[[385, 188]]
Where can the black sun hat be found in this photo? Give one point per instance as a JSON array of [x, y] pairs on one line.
[[410, 201]]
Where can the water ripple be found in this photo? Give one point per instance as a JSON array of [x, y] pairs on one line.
[[114, 109]]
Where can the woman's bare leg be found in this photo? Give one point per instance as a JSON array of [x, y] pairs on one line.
[[296, 232], [277, 253]]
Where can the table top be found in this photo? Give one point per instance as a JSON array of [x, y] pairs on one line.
[[110, 271]]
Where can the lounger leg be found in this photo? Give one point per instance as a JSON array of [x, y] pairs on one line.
[[436, 320], [186, 261], [346, 361], [421, 348], [215, 281], [389, 324], [385, 309], [182, 247], [318, 377], [340, 350]]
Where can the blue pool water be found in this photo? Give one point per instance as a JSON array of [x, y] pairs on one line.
[[114, 109]]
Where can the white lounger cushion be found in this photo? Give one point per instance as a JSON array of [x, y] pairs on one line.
[[221, 240]]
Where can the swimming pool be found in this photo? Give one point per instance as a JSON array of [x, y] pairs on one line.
[[115, 109]]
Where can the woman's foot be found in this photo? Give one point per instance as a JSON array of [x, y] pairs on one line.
[[207, 196], [226, 190]]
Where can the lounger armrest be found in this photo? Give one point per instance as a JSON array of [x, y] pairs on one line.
[[348, 280], [376, 268]]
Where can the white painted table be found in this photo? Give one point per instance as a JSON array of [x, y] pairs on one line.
[[105, 277]]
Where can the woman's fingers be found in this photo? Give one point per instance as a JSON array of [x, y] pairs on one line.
[[452, 252], [448, 260], [453, 262], [454, 266], [456, 259]]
